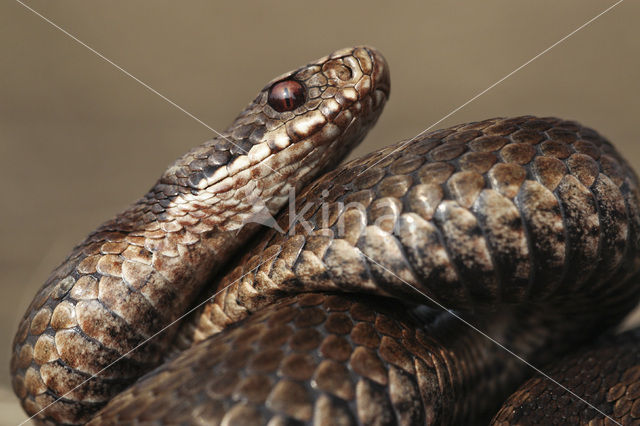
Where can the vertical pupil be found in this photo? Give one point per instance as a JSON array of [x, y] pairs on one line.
[[286, 95], [288, 99]]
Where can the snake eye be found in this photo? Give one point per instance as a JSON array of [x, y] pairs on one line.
[[286, 95]]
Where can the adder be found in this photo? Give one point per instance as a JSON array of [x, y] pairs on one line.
[[415, 285]]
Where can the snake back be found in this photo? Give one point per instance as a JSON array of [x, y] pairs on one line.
[[527, 228], [385, 294]]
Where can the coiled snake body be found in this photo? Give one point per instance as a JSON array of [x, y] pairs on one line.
[[526, 228]]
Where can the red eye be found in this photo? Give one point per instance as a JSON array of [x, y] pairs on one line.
[[286, 95]]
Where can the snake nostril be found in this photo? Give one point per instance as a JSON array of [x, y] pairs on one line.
[[345, 73], [337, 70]]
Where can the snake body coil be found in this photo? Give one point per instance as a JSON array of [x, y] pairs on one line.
[[527, 228]]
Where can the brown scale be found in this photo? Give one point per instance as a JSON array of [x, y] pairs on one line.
[[142, 270], [316, 358], [528, 227], [540, 240], [606, 374]]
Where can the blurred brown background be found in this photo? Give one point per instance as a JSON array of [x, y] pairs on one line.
[[79, 140]]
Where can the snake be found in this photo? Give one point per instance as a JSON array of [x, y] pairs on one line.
[[261, 282]]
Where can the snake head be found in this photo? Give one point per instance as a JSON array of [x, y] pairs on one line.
[[300, 123]]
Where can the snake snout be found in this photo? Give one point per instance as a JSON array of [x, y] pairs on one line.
[[380, 71], [362, 68]]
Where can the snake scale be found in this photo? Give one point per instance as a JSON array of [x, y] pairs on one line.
[[356, 306]]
